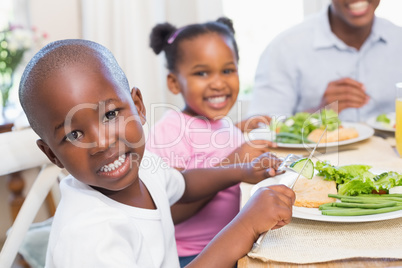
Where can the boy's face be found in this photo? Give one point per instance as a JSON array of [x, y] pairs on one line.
[[207, 76], [91, 126]]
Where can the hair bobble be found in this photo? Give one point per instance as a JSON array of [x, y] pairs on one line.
[[174, 35]]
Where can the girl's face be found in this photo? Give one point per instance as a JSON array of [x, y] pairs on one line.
[[206, 76]]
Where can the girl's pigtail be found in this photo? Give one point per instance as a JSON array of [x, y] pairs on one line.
[[160, 35], [228, 22]]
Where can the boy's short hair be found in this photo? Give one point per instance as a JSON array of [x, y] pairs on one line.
[[57, 55]]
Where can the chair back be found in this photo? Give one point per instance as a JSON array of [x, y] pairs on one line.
[[20, 152]]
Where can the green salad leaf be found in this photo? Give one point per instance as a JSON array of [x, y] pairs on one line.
[[357, 179], [342, 174], [296, 128], [387, 180], [383, 118], [356, 186]]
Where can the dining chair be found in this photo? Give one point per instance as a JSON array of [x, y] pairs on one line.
[[19, 152]]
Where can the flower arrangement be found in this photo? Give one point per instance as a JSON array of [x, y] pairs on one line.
[[14, 42]]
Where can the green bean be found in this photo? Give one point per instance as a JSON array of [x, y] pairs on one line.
[[367, 197], [359, 212], [382, 195], [336, 208], [363, 205], [286, 136], [337, 196], [370, 200]]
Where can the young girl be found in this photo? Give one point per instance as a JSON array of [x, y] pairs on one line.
[[202, 60]]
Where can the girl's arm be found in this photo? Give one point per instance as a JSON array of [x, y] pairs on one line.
[[248, 152], [202, 183], [269, 208], [253, 122], [181, 212]]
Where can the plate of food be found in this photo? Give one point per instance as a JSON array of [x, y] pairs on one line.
[[313, 195], [384, 122], [303, 130]]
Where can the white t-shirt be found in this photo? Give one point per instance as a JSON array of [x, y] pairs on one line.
[[92, 230]]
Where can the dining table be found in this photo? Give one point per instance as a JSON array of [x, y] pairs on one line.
[[317, 242]]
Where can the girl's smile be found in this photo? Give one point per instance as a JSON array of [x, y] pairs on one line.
[[218, 102]]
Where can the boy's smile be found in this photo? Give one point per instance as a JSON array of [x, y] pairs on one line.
[[95, 129], [207, 76]]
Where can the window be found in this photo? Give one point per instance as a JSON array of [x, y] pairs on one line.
[[256, 22], [6, 13]]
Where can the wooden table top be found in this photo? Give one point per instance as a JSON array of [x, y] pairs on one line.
[[254, 263], [6, 127]]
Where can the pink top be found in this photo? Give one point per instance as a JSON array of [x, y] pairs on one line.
[[192, 142]]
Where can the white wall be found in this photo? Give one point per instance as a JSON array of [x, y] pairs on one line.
[[60, 19]]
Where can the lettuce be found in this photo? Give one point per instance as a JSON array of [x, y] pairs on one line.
[[330, 119], [387, 180], [356, 186], [357, 179], [342, 174], [383, 118], [302, 124]]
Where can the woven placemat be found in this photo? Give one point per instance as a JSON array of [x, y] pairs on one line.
[[305, 241]]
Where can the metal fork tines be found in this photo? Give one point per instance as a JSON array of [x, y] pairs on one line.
[[288, 160]]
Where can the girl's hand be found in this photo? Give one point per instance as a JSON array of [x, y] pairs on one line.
[[253, 122], [262, 167]]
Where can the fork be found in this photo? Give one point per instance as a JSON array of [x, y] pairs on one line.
[[288, 160]]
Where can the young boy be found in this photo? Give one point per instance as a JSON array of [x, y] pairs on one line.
[[115, 207]]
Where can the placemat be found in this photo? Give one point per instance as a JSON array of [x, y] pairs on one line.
[[305, 241]]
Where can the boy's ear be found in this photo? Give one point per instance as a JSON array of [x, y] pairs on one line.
[[139, 104], [49, 153], [173, 83]]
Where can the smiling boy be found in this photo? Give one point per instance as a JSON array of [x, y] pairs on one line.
[[115, 206]]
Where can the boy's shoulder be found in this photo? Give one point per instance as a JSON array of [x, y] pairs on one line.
[[154, 166]]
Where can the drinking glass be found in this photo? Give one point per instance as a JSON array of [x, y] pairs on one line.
[[398, 115]]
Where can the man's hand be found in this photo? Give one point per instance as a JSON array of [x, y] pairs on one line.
[[348, 93]]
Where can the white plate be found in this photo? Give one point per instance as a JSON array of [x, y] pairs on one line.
[[364, 131], [314, 213], [381, 126]]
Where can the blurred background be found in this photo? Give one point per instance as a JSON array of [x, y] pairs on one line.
[[124, 26]]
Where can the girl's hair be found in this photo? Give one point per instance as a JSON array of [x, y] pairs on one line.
[[166, 37]]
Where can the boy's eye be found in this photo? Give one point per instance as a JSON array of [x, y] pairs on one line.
[[110, 115], [73, 135], [229, 71], [201, 73]]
